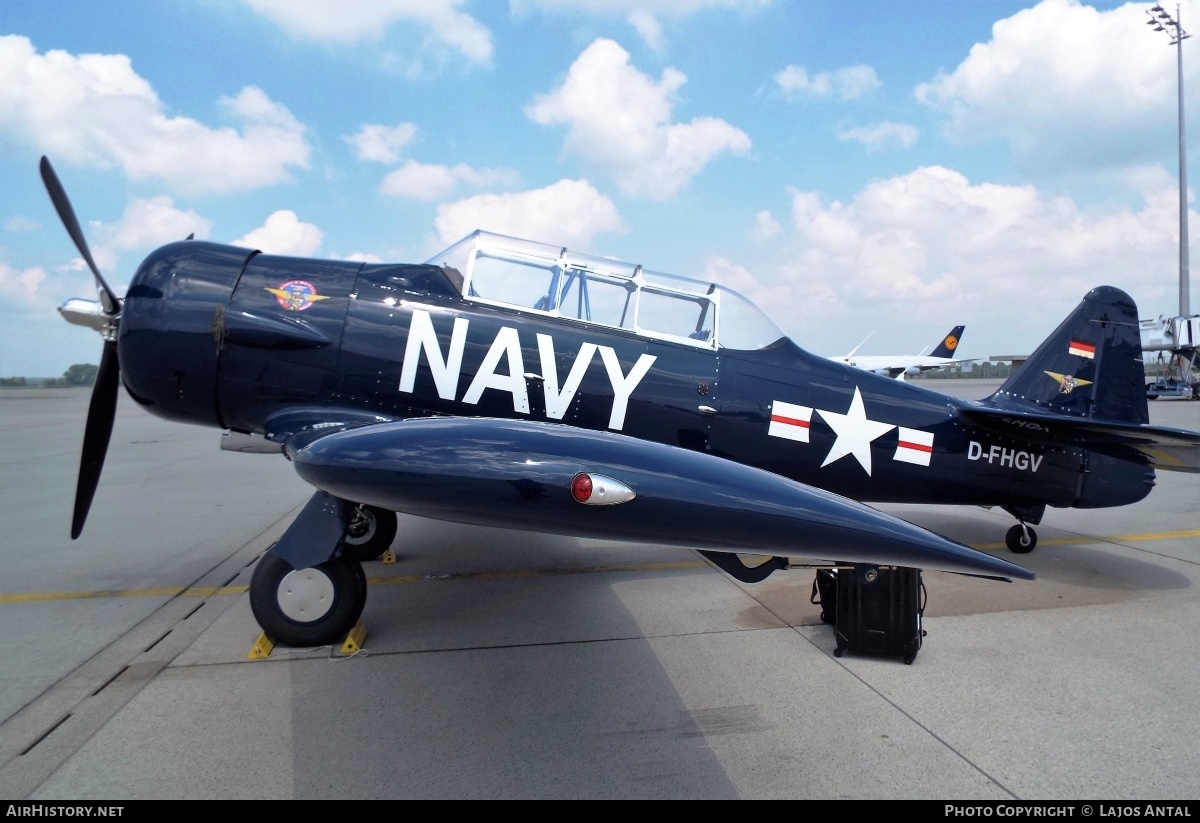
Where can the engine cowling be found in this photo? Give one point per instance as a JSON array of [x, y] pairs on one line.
[[170, 323]]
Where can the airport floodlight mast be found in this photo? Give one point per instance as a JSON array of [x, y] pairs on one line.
[[1162, 21]]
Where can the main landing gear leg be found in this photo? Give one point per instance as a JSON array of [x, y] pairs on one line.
[[303, 591]]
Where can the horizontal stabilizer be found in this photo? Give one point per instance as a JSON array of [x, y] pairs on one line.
[[525, 474], [1085, 387], [1157, 446]]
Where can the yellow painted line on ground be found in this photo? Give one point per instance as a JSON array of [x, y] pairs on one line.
[[526, 573], [37, 597], [407, 579], [1116, 538]]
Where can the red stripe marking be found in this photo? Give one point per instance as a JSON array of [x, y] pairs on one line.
[[1075, 344], [791, 421], [919, 447]]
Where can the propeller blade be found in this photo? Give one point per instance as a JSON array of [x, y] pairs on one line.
[[101, 413], [58, 196]]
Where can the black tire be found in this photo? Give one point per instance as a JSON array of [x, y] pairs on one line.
[[370, 533], [307, 607], [1021, 539]]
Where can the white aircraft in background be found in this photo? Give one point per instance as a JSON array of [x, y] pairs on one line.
[[907, 365]]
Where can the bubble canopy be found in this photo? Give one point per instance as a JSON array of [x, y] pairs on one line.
[[552, 280]]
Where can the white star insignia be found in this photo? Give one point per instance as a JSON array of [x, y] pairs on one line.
[[854, 433]]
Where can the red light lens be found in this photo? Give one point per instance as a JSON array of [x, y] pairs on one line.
[[581, 488]]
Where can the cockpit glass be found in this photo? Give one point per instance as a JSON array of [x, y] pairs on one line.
[[549, 279]]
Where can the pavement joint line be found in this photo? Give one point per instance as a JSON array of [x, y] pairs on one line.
[[39, 737], [389, 580]]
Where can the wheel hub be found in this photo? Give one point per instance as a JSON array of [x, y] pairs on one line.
[[361, 529], [305, 595]]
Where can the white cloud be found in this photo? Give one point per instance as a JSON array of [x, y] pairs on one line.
[[721, 270], [19, 224], [152, 222], [648, 27], [285, 234], [645, 18], [365, 257], [765, 226], [846, 83], [676, 9], [569, 212], [619, 120], [424, 181], [366, 21], [1067, 86], [881, 136], [22, 285], [381, 144], [94, 110], [145, 224], [929, 245]]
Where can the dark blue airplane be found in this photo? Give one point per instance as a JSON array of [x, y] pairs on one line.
[[515, 384]]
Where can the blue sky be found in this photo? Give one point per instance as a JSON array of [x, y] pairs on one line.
[[856, 168]]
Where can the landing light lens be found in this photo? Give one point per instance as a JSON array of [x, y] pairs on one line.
[[581, 488]]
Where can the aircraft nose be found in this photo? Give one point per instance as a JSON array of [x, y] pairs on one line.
[[170, 328]]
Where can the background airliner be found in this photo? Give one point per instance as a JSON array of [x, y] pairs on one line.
[[910, 365]]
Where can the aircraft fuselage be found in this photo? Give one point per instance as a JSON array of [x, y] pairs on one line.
[[399, 341]]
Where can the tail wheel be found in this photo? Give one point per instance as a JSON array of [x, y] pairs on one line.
[[316, 606], [370, 533], [1021, 539]]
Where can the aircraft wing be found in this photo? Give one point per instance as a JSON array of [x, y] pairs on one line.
[[1161, 447], [943, 364], [898, 369], [564, 480], [925, 365]]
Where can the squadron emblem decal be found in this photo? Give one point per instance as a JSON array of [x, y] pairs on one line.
[[296, 295], [1068, 383]]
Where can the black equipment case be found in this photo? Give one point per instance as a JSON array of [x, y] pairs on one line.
[[879, 611], [824, 594]]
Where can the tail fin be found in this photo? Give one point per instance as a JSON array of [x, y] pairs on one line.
[[949, 343], [1091, 366]]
